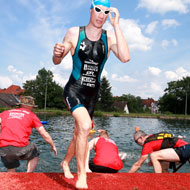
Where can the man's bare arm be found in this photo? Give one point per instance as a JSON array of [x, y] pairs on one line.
[[118, 42], [137, 165], [45, 135], [62, 49]]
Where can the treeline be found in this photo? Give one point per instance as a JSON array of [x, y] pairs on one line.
[[176, 98], [106, 99], [48, 93]]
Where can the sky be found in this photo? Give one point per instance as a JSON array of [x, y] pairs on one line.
[[157, 32]]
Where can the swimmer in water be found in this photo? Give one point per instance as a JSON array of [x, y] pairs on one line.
[[90, 47]]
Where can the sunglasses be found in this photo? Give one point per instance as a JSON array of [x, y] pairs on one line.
[[98, 10], [137, 139]]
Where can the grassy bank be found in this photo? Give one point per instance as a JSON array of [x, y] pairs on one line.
[[118, 114], [57, 112]]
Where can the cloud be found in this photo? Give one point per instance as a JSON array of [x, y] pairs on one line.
[[166, 43], [13, 70], [60, 79], [19, 77], [133, 33], [28, 77], [104, 73], [151, 27], [5, 82], [171, 75], [149, 89], [47, 22], [61, 75], [167, 23], [154, 71], [125, 78], [156, 87], [162, 7], [174, 42], [67, 62], [24, 2], [44, 34], [15, 74], [59, 70], [178, 74]]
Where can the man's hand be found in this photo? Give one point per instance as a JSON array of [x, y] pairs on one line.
[[58, 50], [114, 20], [53, 148]]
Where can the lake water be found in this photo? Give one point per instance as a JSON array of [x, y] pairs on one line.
[[120, 129]]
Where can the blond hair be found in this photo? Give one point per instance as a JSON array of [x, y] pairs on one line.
[[104, 134]]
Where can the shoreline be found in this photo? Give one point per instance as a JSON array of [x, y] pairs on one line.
[[54, 112], [117, 114]]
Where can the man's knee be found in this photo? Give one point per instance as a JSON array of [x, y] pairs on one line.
[[84, 127], [153, 156]]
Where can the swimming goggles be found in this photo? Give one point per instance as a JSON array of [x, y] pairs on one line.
[[98, 9]]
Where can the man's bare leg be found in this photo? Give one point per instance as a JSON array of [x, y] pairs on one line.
[[81, 159], [65, 163], [11, 170], [168, 154], [165, 166], [31, 165], [87, 160], [68, 157], [83, 126]]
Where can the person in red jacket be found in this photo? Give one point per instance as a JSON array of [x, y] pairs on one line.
[[162, 147], [107, 159], [15, 128]]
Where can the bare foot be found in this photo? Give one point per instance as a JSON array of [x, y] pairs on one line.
[[81, 182], [65, 168], [88, 170]]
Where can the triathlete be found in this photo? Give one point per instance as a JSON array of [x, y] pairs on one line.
[[90, 47], [162, 147]]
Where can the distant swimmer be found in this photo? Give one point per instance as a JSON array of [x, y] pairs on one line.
[[90, 47], [15, 128], [163, 148], [107, 158]]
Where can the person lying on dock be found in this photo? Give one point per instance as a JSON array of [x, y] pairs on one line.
[[16, 127], [161, 147], [107, 159]]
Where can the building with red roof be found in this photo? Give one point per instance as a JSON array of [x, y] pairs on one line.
[[13, 89], [9, 96], [151, 104]]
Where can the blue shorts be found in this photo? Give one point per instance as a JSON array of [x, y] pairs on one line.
[[183, 152]]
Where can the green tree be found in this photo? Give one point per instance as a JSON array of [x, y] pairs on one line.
[[176, 98], [44, 88], [105, 99], [134, 103]]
